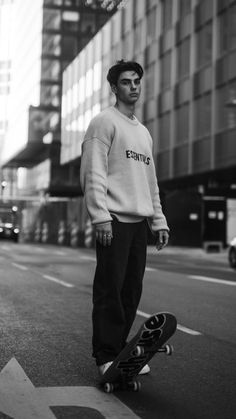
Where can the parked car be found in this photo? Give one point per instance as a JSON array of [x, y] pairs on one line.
[[9, 227], [232, 253], [9, 231]]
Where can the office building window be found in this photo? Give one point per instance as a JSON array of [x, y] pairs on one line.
[[166, 70], [184, 8], [227, 30], [89, 83], [183, 58], [5, 64], [150, 82], [225, 107], [53, 2], [151, 26], [204, 45], [167, 14], [128, 45], [97, 76], [52, 19], [50, 69], [81, 90], [4, 90], [182, 124], [138, 37], [164, 132], [70, 21], [52, 44], [69, 47], [202, 116]]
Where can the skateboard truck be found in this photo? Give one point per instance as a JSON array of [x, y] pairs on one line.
[[150, 339], [167, 349]]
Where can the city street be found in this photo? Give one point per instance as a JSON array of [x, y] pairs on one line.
[[46, 368]]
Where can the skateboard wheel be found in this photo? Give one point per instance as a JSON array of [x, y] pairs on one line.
[[138, 351], [108, 388], [169, 349], [136, 386]]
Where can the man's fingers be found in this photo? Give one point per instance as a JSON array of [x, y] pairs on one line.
[[104, 238]]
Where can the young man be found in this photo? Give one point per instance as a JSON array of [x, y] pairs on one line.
[[121, 192]]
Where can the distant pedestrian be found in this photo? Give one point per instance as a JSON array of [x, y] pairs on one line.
[[119, 181]]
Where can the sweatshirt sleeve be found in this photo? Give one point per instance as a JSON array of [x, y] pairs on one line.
[[93, 171], [158, 221]]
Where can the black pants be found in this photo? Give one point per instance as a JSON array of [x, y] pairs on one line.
[[117, 288]]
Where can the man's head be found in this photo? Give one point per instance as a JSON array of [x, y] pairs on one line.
[[124, 78], [120, 67]]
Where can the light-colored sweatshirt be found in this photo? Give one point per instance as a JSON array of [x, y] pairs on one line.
[[118, 173]]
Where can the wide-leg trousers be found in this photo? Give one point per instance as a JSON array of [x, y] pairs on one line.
[[117, 288]]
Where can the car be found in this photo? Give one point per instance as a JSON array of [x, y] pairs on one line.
[[9, 231], [232, 253]]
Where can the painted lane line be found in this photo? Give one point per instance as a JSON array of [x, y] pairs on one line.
[[179, 327], [214, 280], [148, 269], [58, 281], [89, 258], [188, 331], [22, 267], [7, 248]]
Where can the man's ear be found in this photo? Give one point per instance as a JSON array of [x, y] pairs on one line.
[[114, 89]]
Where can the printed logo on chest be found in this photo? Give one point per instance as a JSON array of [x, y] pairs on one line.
[[130, 154]]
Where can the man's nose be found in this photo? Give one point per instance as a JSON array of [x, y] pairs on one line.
[[133, 85]]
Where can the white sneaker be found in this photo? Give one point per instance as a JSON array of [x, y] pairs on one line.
[[145, 370], [104, 367]]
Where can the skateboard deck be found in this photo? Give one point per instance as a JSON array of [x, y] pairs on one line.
[[150, 339]]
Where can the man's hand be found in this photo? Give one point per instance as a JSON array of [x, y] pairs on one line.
[[162, 239], [104, 233]]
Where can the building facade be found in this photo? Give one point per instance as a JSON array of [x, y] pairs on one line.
[[188, 51], [6, 26], [46, 36]]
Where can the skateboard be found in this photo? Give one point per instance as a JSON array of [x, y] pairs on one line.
[[150, 339]]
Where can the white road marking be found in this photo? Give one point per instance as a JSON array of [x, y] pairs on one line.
[[214, 280], [58, 281], [148, 269], [7, 248], [22, 267], [85, 257], [60, 253], [20, 399], [179, 327]]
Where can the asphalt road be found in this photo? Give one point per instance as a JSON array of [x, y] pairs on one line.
[[45, 346]]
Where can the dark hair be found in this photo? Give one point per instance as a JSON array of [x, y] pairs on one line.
[[119, 67]]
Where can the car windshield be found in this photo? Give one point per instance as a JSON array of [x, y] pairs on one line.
[[5, 216]]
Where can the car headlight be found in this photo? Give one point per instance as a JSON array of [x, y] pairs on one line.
[[1, 229], [16, 230]]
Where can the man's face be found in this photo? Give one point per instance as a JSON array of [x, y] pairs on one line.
[[128, 87]]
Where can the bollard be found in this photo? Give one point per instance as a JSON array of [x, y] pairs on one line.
[[37, 232], [88, 234], [61, 233], [74, 234], [44, 237]]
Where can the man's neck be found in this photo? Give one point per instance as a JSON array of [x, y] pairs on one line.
[[127, 110]]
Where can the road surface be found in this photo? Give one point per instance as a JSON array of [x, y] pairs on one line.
[[45, 348]]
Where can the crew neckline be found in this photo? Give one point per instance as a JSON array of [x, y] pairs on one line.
[[131, 121]]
